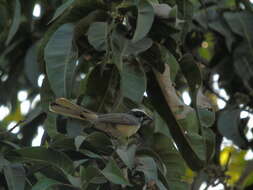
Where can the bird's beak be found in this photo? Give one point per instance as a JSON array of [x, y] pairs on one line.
[[148, 119]]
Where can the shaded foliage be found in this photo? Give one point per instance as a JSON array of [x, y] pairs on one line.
[[112, 56]]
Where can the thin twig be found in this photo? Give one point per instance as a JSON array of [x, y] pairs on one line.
[[216, 94], [18, 123]]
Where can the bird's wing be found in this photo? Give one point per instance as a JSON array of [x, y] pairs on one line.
[[65, 107], [118, 118]]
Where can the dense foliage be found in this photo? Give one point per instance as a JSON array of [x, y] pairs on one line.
[[115, 55]]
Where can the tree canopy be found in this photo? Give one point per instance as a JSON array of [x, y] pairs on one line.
[[111, 56]]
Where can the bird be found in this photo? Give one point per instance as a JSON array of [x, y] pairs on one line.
[[116, 124]]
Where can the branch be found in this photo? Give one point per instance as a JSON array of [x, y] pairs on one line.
[[169, 92]]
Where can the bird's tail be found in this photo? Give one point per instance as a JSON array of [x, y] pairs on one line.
[[67, 108]]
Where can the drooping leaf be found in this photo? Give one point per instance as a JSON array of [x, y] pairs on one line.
[[79, 141], [45, 183], [159, 102], [91, 175], [137, 47], [100, 142], [14, 175], [103, 95], [43, 155], [160, 126], [219, 25], [31, 66], [50, 124], [175, 165], [210, 143], [127, 154], [147, 165], [61, 9], [207, 118], [114, 174], [133, 82], [168, 58], [162, 10], [242, 63], [15, 22], [121, 46], [97, 35], [241, 23], [74, 127], [229, 126], [47, 95], [144, 20], [192, 73], [190, 124], [60, 60]]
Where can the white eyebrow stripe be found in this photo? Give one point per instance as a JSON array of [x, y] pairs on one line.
[[139, 110]]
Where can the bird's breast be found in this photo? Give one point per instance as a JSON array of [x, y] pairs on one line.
[[127, 130]]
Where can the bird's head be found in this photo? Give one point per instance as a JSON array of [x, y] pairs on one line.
[[141, 115]]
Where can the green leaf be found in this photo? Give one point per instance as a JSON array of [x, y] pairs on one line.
[[192, 74], [210, 143], [241, 23], [44, 155], [160, 126], [97, 35], [79, 141], [61, 9], [175, 165], [137, 47], [144, 21], [102, 96], [61, 141], [74, 127], [219, 25], [243, 57], [212, 18], [60, 60], [99, 141], [127, 154], [133, 82], [147, 165], [15, 22], [121, 46], [207, 118], [75, 181], [47, 95], [45, 183], [168, 58], [229, 126], [114, 174], [31, 68], [14, 175], [158, 100], [50, 124], [91, 174]]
